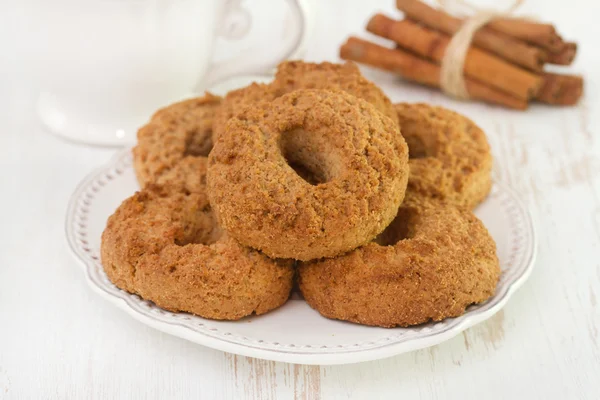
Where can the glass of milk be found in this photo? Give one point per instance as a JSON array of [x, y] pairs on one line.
[[104, 66]]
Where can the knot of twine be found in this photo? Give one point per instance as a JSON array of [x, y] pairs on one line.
[[452, 78]]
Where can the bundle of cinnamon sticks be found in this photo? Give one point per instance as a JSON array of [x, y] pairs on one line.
[[503, 65]]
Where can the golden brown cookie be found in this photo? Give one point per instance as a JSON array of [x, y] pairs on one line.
[[236, 100], [450, 158], [163, 244], [171, 145], [430, 263], [294, 75], [355, 156]]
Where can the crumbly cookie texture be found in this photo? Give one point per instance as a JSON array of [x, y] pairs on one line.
[[236, 100], [294, 75], [431, 263], [450, 158], [312, 174], [163, 244], [171, 146]]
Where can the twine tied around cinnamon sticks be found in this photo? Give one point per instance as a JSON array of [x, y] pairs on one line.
[[452, 78], [504, 61]]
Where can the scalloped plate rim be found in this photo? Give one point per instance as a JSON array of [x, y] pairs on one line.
[[403, 345]]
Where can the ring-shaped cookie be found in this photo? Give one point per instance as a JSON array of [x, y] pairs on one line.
[[450, 158], [294, 75], [171, 148], [431, 263], [356, 157], [163, 244]]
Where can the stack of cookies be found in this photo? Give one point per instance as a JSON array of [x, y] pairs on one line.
[[317, 178]]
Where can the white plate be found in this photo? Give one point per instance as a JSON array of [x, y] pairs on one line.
[[293, 333]]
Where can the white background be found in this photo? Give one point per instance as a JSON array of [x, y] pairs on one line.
[[60, 340]]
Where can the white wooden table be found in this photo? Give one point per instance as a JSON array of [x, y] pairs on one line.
[[60, 340]]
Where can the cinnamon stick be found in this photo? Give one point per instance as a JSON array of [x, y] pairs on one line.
[[564, 90], [502, 45], [479, 64], [565, 56], [542, 35], [419, 70]]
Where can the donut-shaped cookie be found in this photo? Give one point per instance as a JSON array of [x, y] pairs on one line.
[[236, 100], [356, 159], [430, 263], [450, 157], [294, 75], [163, 244], [171, 147]]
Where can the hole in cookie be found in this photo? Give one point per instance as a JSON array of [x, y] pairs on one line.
[[305, 173], [198, 143], [200, 228], [416, 147], [421, 140], [309, 155], [401, 228]]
